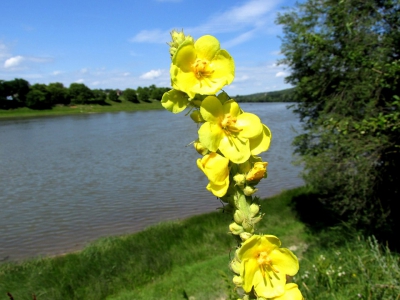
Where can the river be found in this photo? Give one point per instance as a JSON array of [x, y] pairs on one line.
[[68, 180]]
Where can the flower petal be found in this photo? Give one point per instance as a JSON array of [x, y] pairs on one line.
[[224, 68], [183, 81], [270, 285], [175, 101], [285, 261], [248, 270], [185, 56], [250, 124], [232, 108], [261, 143], [211, 109], [210, 136], [292, 292], [218, 190], [215, 166], [206, 47], [234, 148]]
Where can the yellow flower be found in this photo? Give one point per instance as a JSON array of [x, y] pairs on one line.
[[257, 172], [264, 265], [292, 292], [237, 135], [215, 167], [201, 67]]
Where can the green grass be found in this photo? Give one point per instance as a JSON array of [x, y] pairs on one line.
[[79, 109], [188, 259]]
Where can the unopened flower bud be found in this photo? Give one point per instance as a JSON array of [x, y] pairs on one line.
[[254, 209], [248, 226], [240, 180], [177, 39], [236, 228], [248, 190], [245, 236], [238, 216], [237, 280], [257, 172], [235, 266]]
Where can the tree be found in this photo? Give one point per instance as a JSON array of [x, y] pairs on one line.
[[344, 62], [58, 93], [157, 93], [38, 97], [15, 92], [130, 95], [112, 95], [80, 93], [143, 94]]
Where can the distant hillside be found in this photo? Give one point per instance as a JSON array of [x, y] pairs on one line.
[[276, 96]]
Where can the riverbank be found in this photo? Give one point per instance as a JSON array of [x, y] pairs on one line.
[[109, 106], [189, 258]]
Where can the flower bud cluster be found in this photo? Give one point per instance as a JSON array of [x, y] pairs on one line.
[[177, 39]]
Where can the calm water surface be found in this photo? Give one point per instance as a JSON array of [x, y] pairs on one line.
[[66, 181]]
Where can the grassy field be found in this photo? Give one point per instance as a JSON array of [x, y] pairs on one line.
[[109, 106], [188, 259]]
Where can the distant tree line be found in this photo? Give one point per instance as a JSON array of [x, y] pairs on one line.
[[20, 93], [276, 96]]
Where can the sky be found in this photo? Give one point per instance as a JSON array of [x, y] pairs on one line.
[[123, 44]]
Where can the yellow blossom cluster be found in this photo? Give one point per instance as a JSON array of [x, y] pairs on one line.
[[229, 141]]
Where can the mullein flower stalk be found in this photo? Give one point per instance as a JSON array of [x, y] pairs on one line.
[[229, 141]]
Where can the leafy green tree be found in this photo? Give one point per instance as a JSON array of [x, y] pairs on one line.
[[38, 97], [344, 61], [130, 95], [143, 94], [99, 97], [58, 93], [157, 93], [15, 91], [80, 93], [112, 95]]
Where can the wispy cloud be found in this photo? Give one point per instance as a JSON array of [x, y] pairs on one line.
[[251, 16], [152, 74]]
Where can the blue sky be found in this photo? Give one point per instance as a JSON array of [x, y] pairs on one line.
[[122, 44]]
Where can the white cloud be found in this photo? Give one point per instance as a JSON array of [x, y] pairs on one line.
[[281, 74], [13, 62], [84, 70], [152, 74], [55, 73], [80, 80], [126, 74], [240, 39]]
